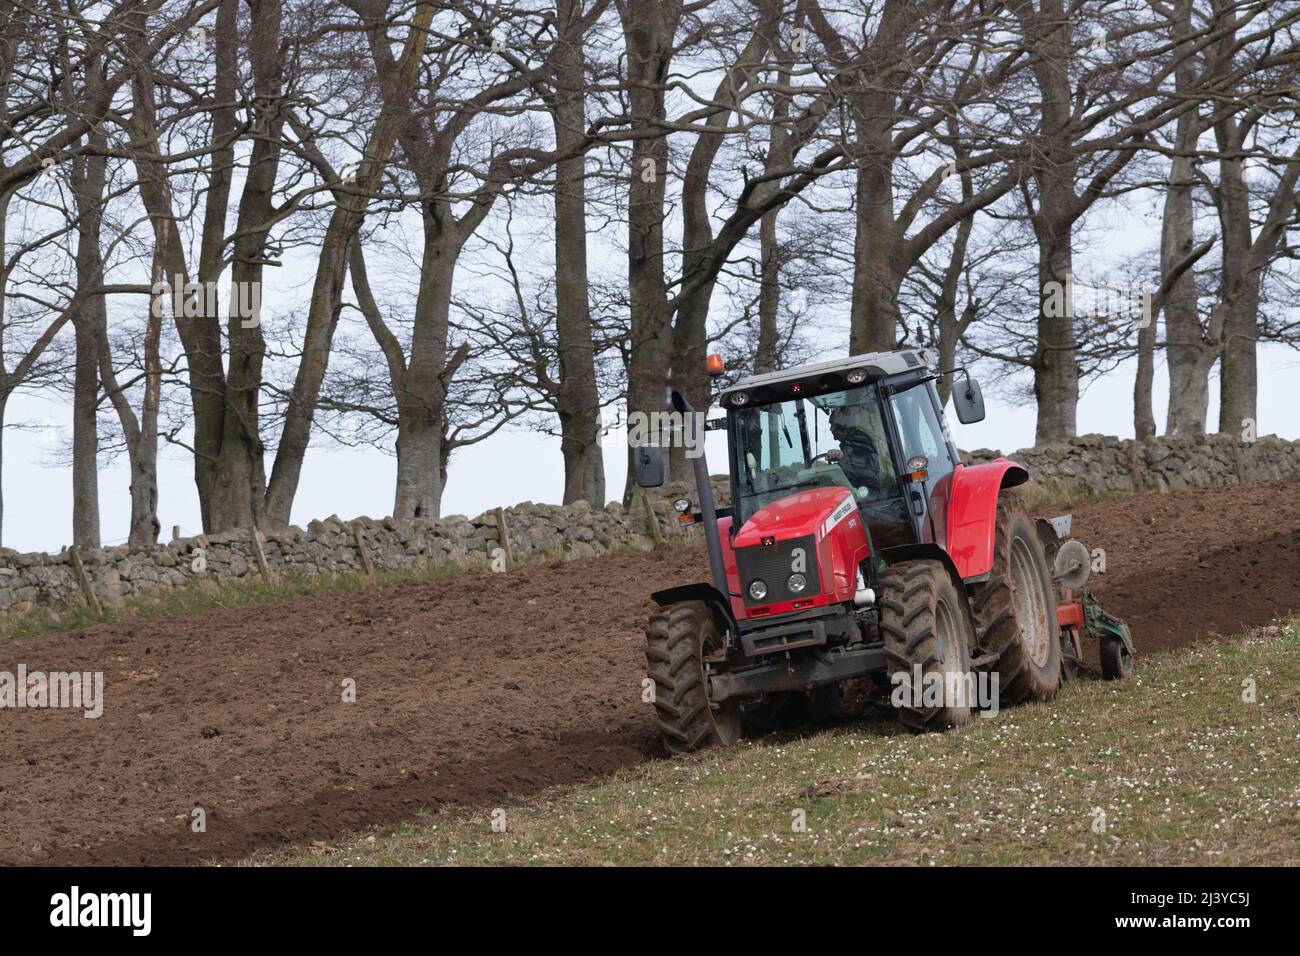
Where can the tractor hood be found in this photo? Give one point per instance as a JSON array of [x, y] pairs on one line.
[[812, 511]]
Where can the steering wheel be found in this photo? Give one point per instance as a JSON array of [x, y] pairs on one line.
[[832, 455]]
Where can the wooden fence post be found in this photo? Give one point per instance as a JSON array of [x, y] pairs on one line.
[[258, 553], [87, 589], [363, 551], [653, 520], [1136, 466], [504, 534]]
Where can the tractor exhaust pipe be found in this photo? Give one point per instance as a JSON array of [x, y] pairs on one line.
[[704, 488]]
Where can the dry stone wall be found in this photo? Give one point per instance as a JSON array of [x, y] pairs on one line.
[[1091, 463], [1104, 464]]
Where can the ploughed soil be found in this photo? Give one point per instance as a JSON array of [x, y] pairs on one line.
[[474, 690]]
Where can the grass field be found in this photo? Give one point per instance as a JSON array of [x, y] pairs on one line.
[[1180, 765]]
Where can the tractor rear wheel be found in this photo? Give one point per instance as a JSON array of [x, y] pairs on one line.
[[925, 624], [1015, 612], [680, 641]]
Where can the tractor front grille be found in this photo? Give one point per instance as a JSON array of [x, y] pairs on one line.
[[773, 565]]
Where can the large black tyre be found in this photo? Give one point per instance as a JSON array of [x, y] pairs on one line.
[[1015, 613], [924, 622], [679, 639]]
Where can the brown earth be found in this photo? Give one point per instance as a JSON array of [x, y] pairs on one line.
[[473, 690]]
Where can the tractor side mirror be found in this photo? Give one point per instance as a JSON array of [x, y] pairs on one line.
[[968, 400], [648, 465]]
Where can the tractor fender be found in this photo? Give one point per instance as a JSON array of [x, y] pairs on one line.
[[973, 513], [701, 591]]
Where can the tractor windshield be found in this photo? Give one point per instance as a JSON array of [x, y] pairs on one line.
[[833, 439]]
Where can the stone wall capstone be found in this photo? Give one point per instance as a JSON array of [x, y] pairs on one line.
[[1088, 464]]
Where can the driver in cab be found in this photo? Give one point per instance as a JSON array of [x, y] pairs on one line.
[[861, 460]]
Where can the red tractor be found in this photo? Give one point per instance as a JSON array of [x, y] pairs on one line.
[[858, 545]]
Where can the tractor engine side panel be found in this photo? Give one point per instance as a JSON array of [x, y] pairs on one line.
[[843, 549], [733, 573]]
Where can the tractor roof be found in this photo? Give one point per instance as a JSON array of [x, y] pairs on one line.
[[877, 365]]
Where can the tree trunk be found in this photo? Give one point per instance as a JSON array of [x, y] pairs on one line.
[[1238, 382], [577, 401], [874, 316], [691, 329], [1056, 376], [1244, 262], [422, 399], [951, 326], [1188, 355], [85, 429], [88, 188], [5, 385], [141, 435], [201, 334], [322, 320], [1240, 289], [649, 27], [419, 468], [1144, 416], [239, 485], [4, 404], [331, 269]]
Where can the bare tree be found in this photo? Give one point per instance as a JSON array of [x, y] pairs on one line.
[[397, 79], [577, 397]]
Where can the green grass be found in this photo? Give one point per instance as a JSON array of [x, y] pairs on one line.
[[1185, 771]]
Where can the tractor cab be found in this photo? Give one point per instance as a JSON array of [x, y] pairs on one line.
[[871, 424]]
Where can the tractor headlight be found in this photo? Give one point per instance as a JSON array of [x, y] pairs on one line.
[[855, 376], [797, 583], [757, 590], [739, 399], [682, 505]]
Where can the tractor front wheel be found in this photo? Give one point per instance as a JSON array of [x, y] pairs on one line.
[[681, 641], [1015, 612], [927, 632]]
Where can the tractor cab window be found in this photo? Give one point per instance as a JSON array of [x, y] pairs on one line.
[[921, 432], [920, 429], [836, 439]]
